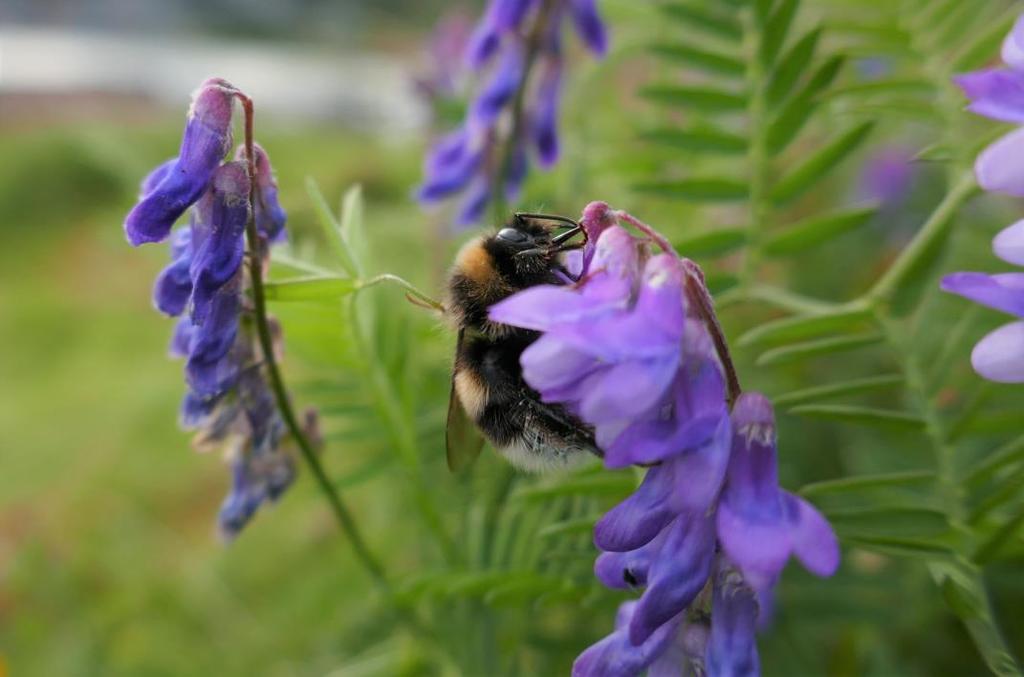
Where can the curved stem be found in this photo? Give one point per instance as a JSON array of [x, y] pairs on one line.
[[309, 455], [410, 289]]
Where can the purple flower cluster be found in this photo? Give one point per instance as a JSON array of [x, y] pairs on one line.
[[998, 93], [228, 401], [629, 349], [512, 38]]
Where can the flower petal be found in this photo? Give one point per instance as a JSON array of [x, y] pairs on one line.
[[814, 542], [628, 570], [206, 140], [700, 472], [1009, 243], [219, 236], [1000, 167], [732, 647], [1013, 46], [677, 574], [616, 656], [999, 356], [545, 117], [500, 89], [589, 25], [994, 93], [639, 518], [1002, 291]]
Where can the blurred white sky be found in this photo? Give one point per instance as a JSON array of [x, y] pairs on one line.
[[368, 91]]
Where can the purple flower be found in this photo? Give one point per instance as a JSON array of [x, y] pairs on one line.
[[887, 176], [628, 347], [174, 188], [999, 356], [173, 286], [228, 402], [732, 645], [617, 656], [999, 94], [270, 216], [482, 157], [759, 525]]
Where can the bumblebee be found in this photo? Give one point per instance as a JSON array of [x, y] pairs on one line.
[[488, 393]]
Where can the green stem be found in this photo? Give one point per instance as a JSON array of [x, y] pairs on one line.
[[961, 581], [501, 168], [410, 289], [404, 436], [931, 235], [341, 512]]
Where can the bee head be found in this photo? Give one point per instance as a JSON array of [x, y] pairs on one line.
[[529, 245]]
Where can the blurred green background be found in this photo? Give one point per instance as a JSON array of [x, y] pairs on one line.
[[109, 562]]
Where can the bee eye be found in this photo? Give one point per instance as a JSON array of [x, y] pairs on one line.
[[513, 236]]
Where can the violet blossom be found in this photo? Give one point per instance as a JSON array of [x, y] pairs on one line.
[[513, 38], [228, 402], [629, 349], [999, 94]]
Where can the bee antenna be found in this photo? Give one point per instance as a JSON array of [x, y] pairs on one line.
[[547, 217]]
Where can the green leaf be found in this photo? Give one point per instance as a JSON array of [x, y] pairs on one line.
[[981, 49], [353, 230], [902, 547], [811, 170], [762, 10], [861, 415], [702, 98], [790, 329], [825, 346], [713, 243], [700, 59], [696, 190], [815, 230], [718, 282], [936, 152], [889, 520], [310, 289], [853, 387], [857, 483], [1005, 492], [611, 484], [572, 527], [698, 140], [1008, 454], [791, 67], [989, 549], [705, 19], [909, 87], [776, 29], [797, 110], [331, 229]]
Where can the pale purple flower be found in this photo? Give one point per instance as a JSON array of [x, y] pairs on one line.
[[480, 157], [998, 93], [628, 348], [759, 524], [999, 356]]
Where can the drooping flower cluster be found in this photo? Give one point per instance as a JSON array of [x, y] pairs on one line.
[[228, 401], [513, 38], [630, 349], [998, 93]]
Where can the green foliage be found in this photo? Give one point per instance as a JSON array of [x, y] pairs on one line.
[[859, 361]]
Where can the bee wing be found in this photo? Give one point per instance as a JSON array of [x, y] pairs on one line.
[[462, 438]]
